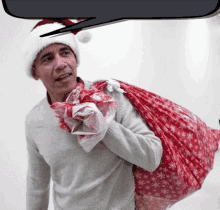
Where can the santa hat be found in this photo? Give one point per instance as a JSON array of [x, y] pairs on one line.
[[34, 43]]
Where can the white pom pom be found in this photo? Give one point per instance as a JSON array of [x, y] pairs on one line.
[[84, 36]]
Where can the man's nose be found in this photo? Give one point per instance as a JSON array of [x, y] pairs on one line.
[[60, 63]]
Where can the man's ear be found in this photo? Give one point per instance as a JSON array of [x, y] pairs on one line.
[[34, 73]]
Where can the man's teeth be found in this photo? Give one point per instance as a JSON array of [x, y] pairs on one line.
[[64, 76]]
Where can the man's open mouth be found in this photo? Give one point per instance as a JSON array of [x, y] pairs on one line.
[[62, 77]]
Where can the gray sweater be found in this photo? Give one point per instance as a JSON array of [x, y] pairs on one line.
[[99, 180]]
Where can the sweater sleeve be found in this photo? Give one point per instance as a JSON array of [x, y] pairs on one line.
[[130, 138], [38, 178]]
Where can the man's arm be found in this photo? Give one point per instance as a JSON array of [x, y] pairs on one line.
[[38, 178], [130, 138]]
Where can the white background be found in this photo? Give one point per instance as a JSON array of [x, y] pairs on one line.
[[177, 59]]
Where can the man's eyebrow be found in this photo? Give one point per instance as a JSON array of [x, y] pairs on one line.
[[64, 48], [68, 48], [45, 55]]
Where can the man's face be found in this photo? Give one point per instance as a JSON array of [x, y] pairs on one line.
[[56, 66]]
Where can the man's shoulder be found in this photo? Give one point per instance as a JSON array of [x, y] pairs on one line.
[[87, 84], [36, 113], [118, 96]]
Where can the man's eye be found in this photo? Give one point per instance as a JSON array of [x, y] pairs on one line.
[[47, 59], [66, 53]]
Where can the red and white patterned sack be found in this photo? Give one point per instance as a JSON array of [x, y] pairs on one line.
[[189, 146]]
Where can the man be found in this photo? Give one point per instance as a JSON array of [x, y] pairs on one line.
[[101, 179]]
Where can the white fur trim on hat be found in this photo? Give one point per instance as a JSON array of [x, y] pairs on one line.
[[34, 43]]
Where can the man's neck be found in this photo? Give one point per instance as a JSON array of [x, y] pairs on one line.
[[53, 98]]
